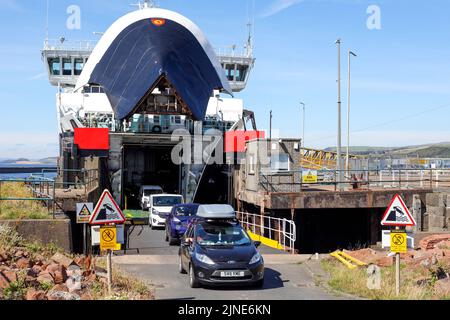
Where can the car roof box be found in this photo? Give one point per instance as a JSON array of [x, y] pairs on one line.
[[216, 211]]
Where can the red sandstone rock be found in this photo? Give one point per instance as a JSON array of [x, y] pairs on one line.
[[86, 296], [33, 294], [23, 263], [60, 287], [3, 256], [62, 259], [45, 277], [6, 277], [385, 261], [60, 275], [430, 242]]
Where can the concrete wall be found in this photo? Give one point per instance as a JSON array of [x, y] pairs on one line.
[[437, 212], [258, 174], [345, 199], [44, 231]]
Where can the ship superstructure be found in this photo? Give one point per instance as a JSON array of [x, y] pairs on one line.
[[152, 72]]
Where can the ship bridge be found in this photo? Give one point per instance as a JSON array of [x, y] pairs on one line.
[[65, 60]]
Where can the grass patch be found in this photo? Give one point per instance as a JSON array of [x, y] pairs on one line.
[[18, 209], [10, 239], [125, 286], [16, 290], [355, 282]]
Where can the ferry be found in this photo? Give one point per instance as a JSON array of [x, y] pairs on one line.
[[119, 101]]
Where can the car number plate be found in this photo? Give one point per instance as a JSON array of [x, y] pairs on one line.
[[231, 274]]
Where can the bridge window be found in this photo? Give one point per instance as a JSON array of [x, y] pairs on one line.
[[251, 165], [93, 89], [55, 66], [279, 162], [241, 72], [67, 67], [79, 64], [229, 71]]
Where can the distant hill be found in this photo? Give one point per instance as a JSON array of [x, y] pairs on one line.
[[436, 150], [49, 160], [25, 161], [13, 161]]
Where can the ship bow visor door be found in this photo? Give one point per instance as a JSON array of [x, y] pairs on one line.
[[92, 142], [141, 49]]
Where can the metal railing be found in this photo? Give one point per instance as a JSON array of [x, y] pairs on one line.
[[233, 51], [82, 179], [45, 189], [42, 189], [72, 45], [272, 181], [280, 230]]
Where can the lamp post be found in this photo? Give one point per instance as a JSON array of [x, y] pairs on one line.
[[338, 151], [303, 126], [347, 158], [270, 126]]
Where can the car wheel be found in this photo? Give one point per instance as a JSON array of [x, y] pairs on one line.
[[172, 241], [167, 235], [193, 282], [180, 266], [259, 283]]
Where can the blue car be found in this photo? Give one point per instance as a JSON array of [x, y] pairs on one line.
[[178, 220]]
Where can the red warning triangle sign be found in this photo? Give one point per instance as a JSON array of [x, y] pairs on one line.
[[107, 211], [397, 214]]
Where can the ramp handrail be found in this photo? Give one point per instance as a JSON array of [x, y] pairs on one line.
[[280, 230]]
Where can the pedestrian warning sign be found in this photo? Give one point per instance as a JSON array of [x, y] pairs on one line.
[[309, 176], [84, 211], [399, 241], [107, 211], [397, 214], [108, 238]]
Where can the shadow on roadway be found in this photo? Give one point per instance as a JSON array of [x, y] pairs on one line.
[[272, 280]]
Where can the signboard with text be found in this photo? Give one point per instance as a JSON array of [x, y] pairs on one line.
[[309, 176]]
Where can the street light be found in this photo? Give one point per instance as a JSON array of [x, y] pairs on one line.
[[347, 158], [338, 151], [303, 127]]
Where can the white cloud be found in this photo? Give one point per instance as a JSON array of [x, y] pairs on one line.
[[38, 76], [278, 6], [32, 146], [11, 5]]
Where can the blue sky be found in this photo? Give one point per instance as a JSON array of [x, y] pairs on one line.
[[400, 79]]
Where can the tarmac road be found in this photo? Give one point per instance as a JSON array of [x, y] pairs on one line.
[[287, 277]]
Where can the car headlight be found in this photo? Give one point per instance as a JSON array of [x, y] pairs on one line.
[[176, 220], [204, 258], [255, 258]]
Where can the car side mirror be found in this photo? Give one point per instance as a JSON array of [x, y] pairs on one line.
[[187, 242], [257, 243]]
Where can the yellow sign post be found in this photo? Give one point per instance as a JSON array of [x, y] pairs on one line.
[[399, 244], [108, 242], [108, 238], [399, 241]]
